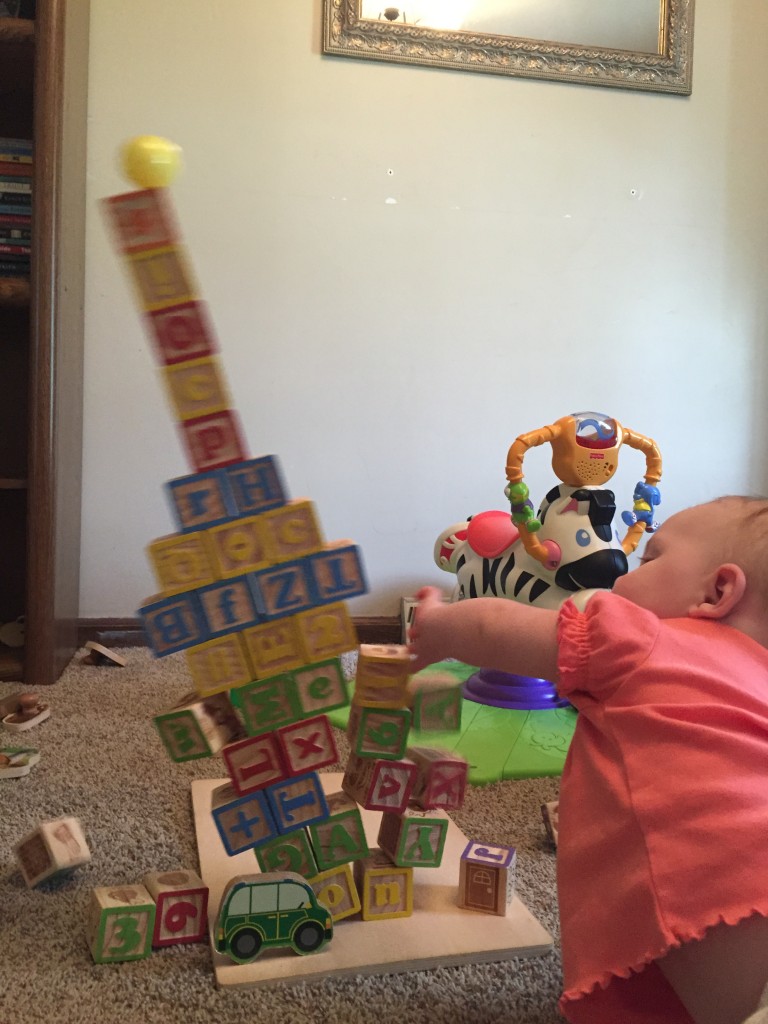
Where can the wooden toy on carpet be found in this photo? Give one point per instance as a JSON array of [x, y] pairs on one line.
[[487, 878], [120, 924], [54, 848], [15, 762], [29, 712]]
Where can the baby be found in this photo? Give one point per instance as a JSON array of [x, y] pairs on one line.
[[663, 839]]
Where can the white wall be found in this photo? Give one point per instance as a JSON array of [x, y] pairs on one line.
[[552, 248]]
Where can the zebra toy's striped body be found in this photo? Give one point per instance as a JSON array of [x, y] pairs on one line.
[[489, 559]]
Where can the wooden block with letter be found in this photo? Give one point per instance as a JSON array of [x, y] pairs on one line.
[[141, 220], [238, 547], [198, 726], [487, 878], [201, 500], [257, 485], [255, 762], [120, 924], [283, 590], [228, 606], [162, 277], [172, 624], [268, 703], [308, 745], [327, 631], [213, 441], [298, 802], [321, 687], [336, 890], [274, 647], [436, 701], [243, 822], [196, 388], [289, 852], [182, 332], [382, 675], [182, 562], [379, 785], [338, 572], [414, 838], [442, 778], [181, 906], [340, 838], [386, 889], [53, 848], [292, 531], [219, 664], [379, 732]]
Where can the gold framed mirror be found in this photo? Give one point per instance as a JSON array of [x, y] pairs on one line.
[[629, 44]]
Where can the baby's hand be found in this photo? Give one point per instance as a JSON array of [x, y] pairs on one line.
[[426, 640]]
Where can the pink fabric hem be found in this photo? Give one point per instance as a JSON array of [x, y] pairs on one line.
[[607, 977]]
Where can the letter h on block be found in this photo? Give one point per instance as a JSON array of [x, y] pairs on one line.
[[487, 878]]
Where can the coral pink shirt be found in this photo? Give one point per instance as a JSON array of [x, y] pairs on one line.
[[664, 800]]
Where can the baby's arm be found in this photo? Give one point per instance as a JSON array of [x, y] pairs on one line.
[[491, 632]]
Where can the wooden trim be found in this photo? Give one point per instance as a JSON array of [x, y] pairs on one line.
[[127, 632]]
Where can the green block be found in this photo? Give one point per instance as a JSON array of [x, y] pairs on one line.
[[266, 704], [414, 839], [120, 924], [290, 852], [340, 838], [182, 735]]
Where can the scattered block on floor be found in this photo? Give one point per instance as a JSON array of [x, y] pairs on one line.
[[53, 848], [550, 813], [386, 889], [181, 906], [120, 924], [487, 878], [438, 933]]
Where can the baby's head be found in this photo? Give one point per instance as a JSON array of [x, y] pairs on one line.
[[709, 561]]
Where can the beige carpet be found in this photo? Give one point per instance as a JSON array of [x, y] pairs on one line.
[[102, 762]]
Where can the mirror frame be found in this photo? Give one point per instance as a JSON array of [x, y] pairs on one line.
[[346, 34]]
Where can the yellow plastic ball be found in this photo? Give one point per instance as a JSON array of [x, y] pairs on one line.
[[150, 161]]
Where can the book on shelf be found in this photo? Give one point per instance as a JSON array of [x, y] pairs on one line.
[[9, 249], [15, 209], [21, 185], [11, 269], [16, 220], [15, 147], [12, 195], [15, 236], [15, 170]]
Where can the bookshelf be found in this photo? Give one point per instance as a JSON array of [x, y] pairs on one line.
[[43, 94]]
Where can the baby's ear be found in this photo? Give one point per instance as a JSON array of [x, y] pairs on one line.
[[723, 591]]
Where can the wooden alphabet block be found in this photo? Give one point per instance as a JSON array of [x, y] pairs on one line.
[[181, 906], [414, 839], [201, 500], [196, 388], [442, 778], [307, 745], [255, 762], [338, 572], [326, 632], [268, 703], [297, 802], [182, 562], [274, 647], [182, 333], [243, 822], [172, 624], [321, 687], [228, 606], [220, 664], [336, 890], [289, 852], [487, 878], [340, 838], [379, 732], [257, 485], [379, 785], [386, 890], [238, 547], [382, 674], [198, 726], [213, 441], [120, 924], [162, 277], [292, 531], [436, 708], [284, 589], [53, 848], [141, 220]]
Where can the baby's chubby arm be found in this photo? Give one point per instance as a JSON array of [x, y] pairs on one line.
[[491, 632]]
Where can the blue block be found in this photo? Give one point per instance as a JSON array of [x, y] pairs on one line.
[[228, 606], [244, 822], [201, 500], [174, 623], [284, 589], [297, 802], [256, 485], [338, 573]]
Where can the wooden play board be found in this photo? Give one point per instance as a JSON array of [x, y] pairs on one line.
[[438, 934]]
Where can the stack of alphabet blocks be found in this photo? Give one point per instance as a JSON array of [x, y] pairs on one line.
[[253, 595]]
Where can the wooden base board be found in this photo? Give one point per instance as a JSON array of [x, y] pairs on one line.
[[438, 934]]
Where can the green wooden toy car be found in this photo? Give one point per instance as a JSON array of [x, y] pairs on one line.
[[270, 910]]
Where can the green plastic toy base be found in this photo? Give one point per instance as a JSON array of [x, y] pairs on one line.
[[498, 743]]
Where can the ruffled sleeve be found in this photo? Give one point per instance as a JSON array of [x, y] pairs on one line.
[[600, 646]]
